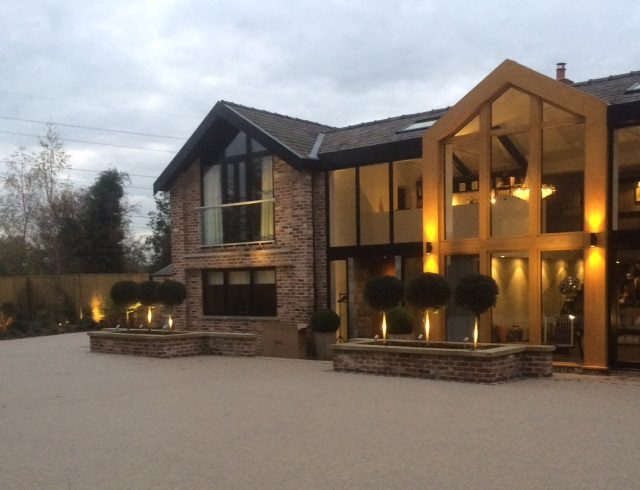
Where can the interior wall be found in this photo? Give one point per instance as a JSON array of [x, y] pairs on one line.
[[512, 276]]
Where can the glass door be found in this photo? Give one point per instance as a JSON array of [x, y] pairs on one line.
[[459, 322], [625, 327]]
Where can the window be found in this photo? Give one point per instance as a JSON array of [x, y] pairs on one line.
[[374, 204], [459, 321], [239, 292], [462, 164], [510, 184], [237, 190], [626, 165], [342, 207], [563, 164], [418, 125], [510, 270], [562, 278], [407, 204], [634, 88]]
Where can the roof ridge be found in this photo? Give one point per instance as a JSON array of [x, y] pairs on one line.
[[394, 118], [608, 78], [276, 114]]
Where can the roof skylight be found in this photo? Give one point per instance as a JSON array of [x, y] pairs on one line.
[[418, 125], [634, 88]]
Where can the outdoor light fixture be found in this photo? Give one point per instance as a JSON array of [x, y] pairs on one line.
[[428, 248], [593, 240]]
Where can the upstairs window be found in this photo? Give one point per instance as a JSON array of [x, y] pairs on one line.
[[237, 195]]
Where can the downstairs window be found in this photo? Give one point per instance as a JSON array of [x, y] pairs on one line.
[[239, 292]]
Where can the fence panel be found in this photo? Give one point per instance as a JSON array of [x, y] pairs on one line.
[[79, 290]]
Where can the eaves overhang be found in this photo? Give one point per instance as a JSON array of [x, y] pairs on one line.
[[627, 114], [385, 152]]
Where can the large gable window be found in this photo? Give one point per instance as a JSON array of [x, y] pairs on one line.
[[237, 195]]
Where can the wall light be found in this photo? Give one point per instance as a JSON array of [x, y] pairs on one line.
[[593, 240], [428, 247]]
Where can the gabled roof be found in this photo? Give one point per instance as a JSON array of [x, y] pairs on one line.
[[306, 143], [512, 74], [297, 134], [290, 138]]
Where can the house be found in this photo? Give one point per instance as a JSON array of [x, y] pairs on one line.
[[532, 180]]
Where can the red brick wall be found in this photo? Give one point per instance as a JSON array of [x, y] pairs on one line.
[[392, 362], [298, 236], [168, 345]]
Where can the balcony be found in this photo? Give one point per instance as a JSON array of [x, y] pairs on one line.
[[237, 223]]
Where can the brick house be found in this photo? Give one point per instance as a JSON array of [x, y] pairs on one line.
[[532, 180]]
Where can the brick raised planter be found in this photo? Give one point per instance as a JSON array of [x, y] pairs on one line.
[[493, 363], [172, 344]]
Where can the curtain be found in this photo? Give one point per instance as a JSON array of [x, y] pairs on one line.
[[266, 215], [212, 217]]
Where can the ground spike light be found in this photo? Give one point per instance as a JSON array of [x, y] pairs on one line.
[[427, 326], [475, 334], [384, 326]]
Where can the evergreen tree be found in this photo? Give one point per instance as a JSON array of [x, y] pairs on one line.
[[159, 243], [105, 224]]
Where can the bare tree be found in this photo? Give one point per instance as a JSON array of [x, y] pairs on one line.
[[50, 162], [20, 203]]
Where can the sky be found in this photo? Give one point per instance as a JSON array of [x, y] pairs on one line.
[[127, 82]]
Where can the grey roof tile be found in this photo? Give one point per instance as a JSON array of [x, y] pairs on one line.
[[612, 89], [299, 135], [376, 132]]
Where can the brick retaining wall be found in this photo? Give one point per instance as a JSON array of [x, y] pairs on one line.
[[173, 345], [492, 365]]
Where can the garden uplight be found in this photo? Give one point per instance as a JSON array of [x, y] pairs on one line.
[[427, 326]]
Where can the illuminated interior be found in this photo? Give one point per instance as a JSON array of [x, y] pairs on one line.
[[515, 207]]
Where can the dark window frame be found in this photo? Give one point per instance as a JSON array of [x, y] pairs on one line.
[[240, 189], [227, 309]]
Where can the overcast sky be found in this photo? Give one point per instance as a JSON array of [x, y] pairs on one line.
[[157, 67]]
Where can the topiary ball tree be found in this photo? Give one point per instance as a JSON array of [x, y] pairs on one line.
[[171, 293], [383, 293], [124, 294], [324, 321], [147, 295], [428, 291], [476, 292], [147, 292], [400, 321]]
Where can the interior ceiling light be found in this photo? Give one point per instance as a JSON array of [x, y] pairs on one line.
[[522, 191]]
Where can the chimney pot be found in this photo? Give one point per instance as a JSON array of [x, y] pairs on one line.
[[561, 71]]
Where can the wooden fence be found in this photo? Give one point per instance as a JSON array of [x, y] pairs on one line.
[[80, 290]]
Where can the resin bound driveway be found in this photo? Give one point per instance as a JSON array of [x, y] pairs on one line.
[[70, 419]]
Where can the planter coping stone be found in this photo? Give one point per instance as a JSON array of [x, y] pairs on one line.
[[496, 350], [180, 334]]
